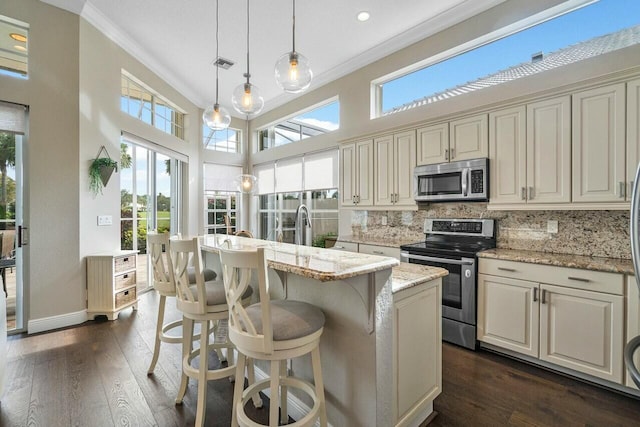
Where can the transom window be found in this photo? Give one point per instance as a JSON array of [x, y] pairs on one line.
[[227, 140], [141, 102], [536, 45], [218, 205], [14, 53], [316, 121]]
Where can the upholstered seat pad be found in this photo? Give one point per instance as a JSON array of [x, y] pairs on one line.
[[290, 319], [215, 292], [209, 274]]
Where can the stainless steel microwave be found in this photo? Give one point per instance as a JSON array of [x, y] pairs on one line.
[[466, 180]]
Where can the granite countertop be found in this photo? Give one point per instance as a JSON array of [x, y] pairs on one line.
[[611, 265], [407, 275], [315, 263], [391, 242]]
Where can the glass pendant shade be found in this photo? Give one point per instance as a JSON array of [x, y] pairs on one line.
[[216, 117], [246, 99], [293, 73], [247, 184]]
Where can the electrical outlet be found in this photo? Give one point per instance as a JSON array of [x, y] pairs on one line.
[[552, 226], [105, 220]]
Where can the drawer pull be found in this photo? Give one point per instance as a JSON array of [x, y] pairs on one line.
[[507, 269], [378, 252], [579, 279], [535, 294], [125, 276], [339, 247]]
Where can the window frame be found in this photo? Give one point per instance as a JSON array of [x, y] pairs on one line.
[[228, 210], [208, 140]]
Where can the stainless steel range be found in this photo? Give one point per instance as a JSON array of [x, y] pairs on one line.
[[453, 244]]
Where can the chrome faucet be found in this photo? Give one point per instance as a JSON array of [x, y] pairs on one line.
[[302, 213]]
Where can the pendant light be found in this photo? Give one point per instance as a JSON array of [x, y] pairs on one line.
[[215, 116], [246, 97], [292, 70], [247, 183]]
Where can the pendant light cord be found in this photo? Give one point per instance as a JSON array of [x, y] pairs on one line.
[[217, 54], [294, 26], [248, 75]]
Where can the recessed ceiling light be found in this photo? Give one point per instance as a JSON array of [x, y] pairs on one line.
[[22, 48], [363, 16], [18, 37]]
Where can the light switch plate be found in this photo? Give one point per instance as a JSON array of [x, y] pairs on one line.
[[552, 226], [105, 220]]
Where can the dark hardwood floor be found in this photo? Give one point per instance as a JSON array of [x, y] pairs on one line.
[[95, 375]]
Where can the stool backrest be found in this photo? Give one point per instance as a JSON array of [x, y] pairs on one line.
[[158, 248], [188, 299], [237, 269]]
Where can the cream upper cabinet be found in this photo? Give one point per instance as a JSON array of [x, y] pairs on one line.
[[508, 314], [356, 174], [433, 144], [598, 127], [633, 322], [633, 132], [570, 317], [530, 153], [468, 138], [395, 159], [508, 156]]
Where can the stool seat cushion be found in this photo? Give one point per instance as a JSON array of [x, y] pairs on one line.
[[215, 292], [208, 273], [290, 319]]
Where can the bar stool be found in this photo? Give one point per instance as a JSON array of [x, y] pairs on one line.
[[158, 247], [203, 302], [276, 331]]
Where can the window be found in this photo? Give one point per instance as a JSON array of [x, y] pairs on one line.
[[282, 190], [14, 53], [317, 121], [506, 55], [141, 102], [221, 198], [227, 140]]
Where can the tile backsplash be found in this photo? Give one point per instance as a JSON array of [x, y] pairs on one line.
[[592, 233]]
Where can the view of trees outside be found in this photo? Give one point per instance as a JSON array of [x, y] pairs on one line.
[[7, 183]]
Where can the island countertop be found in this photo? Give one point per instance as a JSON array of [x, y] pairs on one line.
[[315, 263]]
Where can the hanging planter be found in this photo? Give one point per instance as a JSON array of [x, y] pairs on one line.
[[100, 171]]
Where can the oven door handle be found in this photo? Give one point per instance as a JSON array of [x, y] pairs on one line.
[[463, 261]]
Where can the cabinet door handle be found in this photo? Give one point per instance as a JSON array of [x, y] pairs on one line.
[[544, 294], [453, 153], [339, 247], [507, 269], [523, 193], [621, 189], [530, 193], [377, 252], [446, 154], [579, 279], [358, 198], [535, 294]]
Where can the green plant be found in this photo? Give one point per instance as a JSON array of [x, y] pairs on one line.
[[319, 240], [99, 173]]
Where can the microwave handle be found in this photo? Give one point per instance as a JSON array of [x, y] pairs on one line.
[[465, 181]]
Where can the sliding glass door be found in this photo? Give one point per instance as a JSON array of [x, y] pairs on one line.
[[149, 201]]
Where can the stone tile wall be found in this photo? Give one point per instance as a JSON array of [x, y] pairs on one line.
[[591, 233]]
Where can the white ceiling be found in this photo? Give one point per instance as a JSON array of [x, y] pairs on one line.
[[176, 38]]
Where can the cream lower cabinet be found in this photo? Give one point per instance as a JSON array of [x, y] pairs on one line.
[[633, 322], [577, 322], [417, 351]]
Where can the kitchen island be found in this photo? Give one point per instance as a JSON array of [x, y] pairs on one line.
[[381, 345]]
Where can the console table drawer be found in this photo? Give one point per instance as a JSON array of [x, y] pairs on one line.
[[125, 280], [124, 263]]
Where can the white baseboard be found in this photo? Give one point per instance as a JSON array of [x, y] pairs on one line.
[[54, 322], [296, 407]]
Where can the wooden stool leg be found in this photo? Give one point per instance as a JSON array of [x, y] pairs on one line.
[[187, 344], [251, 376], [274, 386], [156, 346], [284, 414], [238, 388], [203, 367], [317, 379]]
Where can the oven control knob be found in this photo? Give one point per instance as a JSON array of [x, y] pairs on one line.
[[467, 274]]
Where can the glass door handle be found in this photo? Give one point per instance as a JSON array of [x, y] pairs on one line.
[[23, 236]]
